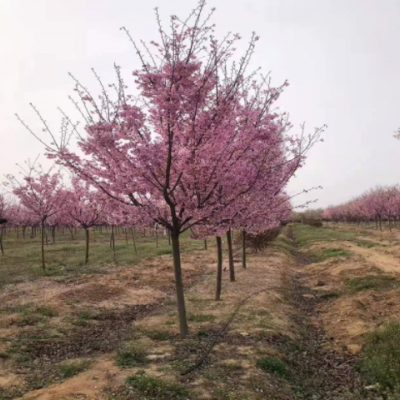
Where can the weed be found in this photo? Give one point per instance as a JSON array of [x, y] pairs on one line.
[[152, 388], [130, 355], [68, 369], [46, 311], [201, 334], [158, 335], [380, 362], [273, 366], [371, 282], [29, 319]]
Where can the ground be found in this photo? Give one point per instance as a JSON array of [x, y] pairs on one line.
[[301, 322]]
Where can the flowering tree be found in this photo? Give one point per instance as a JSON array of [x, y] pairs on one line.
[[84, 208], [199, 136], [378, 204], [4, 217], [42, 195]]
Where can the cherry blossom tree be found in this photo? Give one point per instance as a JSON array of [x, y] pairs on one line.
[[42, 195], [84, 207], [201, 134]]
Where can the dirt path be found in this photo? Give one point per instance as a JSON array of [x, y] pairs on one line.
[[382, 260], [325, 373]]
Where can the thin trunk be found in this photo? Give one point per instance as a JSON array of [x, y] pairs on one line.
[[205, 244], [230, 253], [179, 285], [53, 232], [219, 269], [1, 241], [169, 237], [133, 239], [156, 236], [43, 262], [113, 239], [87, 246], [244, 249], [126, 235]]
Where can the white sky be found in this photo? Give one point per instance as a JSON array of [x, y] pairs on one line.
[[341, 57]]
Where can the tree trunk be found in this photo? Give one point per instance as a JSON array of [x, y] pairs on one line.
[[156, 236], [230, 254], [133, 239], [244, 249], [179, 285], [53, 233], [205, 244], [219, 269], [43, 262], [87, 246], [1, 241], [113, 239]]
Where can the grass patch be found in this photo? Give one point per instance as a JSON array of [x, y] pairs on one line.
[[68, 369], [324, 254], [161, 252], [46, 311], [131, 355], [371, 282], [308, 234], [201, 317], [380, 362], [152, 388], [158, 335], [89, 315], [30, 319], [274, 366], [22, 257]]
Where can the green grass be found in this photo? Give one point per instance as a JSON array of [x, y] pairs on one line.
[[30, 314], [306, 235], [274, 366], [68, 369], [380, 362], [370, 282], [152, 388], [131, 355], [201, 317], [324, 254], [158, 335], [22, 258]]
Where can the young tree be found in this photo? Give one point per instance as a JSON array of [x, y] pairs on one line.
[[41, 194], [201, 133], [85, 208]]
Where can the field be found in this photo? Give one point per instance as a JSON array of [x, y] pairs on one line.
[[314, 316]]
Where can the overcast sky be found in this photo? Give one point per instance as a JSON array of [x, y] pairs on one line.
[[341, 57]]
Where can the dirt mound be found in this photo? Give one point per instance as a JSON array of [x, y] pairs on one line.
[[92, 293]]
